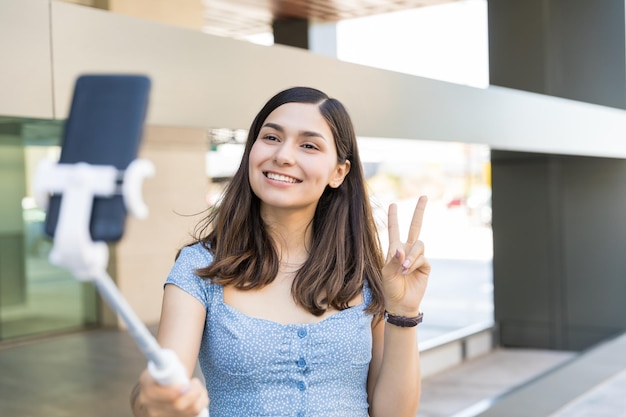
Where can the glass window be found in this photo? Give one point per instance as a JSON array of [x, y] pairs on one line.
[[457, 233], [36, 297]]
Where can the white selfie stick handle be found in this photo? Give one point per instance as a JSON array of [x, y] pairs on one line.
[[171, 372]]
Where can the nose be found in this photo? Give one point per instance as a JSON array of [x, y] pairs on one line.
[[284, 154]]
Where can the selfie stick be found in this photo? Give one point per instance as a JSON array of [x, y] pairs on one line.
[[74, 249]]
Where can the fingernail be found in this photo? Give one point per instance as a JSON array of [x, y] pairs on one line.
[[406, 264], [185, 389], [397, 253]]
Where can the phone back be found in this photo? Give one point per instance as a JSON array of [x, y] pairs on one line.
[[104, 127]]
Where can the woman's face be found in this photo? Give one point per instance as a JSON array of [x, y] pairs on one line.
[[294, 158]]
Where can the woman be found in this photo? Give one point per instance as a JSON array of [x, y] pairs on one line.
[[285, 297]]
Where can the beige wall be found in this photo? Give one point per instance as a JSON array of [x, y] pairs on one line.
[[182, 13], [177, 191], [26, 68], [103, 4]]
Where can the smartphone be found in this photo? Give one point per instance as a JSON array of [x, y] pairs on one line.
[[104, 127]]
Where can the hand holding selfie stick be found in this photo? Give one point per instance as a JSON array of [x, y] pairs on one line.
[[75, 250]]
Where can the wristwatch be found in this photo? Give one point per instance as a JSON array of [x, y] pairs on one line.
[[404, 321]]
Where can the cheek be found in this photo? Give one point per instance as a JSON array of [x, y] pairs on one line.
[[253, 152], [256, 155], [253, 164]]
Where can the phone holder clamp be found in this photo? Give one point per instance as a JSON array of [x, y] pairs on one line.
[[79, 183]]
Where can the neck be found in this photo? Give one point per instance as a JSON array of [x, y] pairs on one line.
[[291, 232]]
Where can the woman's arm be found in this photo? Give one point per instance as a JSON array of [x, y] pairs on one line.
[[394, 382], [180, 329]]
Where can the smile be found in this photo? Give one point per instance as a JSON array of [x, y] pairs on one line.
[[282, 178]]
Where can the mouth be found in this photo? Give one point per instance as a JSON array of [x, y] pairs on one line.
[[281, 178]]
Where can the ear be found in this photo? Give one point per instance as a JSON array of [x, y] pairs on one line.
[[341, 170]]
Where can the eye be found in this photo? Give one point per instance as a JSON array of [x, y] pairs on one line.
[[310, 146], [270, 137]]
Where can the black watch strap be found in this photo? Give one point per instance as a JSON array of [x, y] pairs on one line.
[[402, 321]]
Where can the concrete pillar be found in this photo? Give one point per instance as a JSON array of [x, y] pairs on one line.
[[291, 32], [319, 38], [574, 49], [323, 39], [557, 220]]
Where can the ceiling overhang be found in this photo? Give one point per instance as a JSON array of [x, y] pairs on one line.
[[240, 18]]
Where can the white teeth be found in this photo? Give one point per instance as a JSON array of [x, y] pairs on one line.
[[278, 177]]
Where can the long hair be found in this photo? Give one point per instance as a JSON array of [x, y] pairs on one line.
[[345, 249]]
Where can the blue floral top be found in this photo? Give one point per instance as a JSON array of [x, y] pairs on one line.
[[257, 367]]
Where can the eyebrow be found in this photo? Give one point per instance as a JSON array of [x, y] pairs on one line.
[[307, 133]]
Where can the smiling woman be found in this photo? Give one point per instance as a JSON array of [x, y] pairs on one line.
[[284, 294]]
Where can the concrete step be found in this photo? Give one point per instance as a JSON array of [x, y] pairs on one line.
[[591, 383], [444, 352], [476, 381]]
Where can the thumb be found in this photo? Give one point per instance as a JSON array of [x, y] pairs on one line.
[[397, 259]]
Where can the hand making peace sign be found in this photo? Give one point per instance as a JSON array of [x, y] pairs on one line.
[[406, 270]]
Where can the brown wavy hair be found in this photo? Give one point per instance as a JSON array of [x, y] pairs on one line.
[[345, 249]]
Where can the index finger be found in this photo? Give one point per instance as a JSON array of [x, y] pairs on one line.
[[392, 224], [416, 222]]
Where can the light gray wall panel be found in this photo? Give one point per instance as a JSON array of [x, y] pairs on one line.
[[25, 68]]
